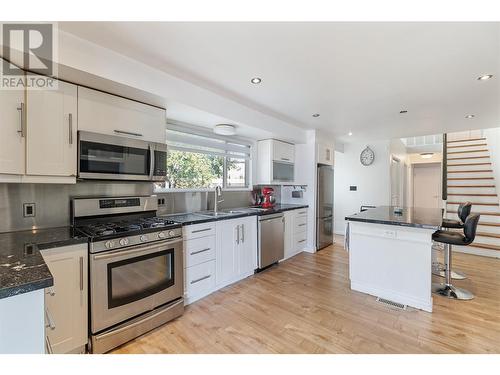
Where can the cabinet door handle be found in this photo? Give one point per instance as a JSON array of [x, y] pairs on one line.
[[81, 273], [243, 233], [302, 241], [21, 114], [238, 235], [50, 322], [201, 230], [51, 291], [70, 123], [328, 154], [127, 133], [285, 159], [301, 225], [199, 251], [200, 279]]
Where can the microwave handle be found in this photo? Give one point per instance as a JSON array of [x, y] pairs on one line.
[[151, 161]]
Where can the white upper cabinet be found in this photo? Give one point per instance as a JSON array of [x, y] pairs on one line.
[[12, 130], [283, 151], [275, 162], [325, 153], [52, 119], [109, 114]]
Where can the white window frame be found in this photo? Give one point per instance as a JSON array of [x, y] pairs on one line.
[[203, 132]]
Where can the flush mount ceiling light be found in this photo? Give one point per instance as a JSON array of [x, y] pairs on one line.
[[316, 115], [426, 155], [485, 77], [469, 116], [256, 80], [350, 133], [403, 111], [225, 129]]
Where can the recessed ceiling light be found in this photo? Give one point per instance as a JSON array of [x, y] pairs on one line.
[[485, 77], [350, 133], [256, 80], [469, 116], [403, 111], [426, 155], [316, 115], [225, 129]]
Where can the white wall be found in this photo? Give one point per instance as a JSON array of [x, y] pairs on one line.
[[493, 141], [373, 182]]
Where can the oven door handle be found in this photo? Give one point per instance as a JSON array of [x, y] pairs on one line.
[[134, 250], [151, 161]]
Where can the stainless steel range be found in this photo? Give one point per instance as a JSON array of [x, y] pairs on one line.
[[136, 267]]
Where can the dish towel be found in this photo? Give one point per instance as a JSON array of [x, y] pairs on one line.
[[346, 237]]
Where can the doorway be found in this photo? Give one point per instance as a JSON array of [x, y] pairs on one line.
[[427, 185]]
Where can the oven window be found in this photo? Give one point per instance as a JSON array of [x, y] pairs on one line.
[[133, 279], [113, 159]]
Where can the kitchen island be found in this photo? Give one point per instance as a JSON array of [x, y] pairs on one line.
[[390, 255]]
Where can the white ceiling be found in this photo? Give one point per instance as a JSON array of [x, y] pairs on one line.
[[358, 76]]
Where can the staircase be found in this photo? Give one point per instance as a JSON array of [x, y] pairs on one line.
[[470, 178]]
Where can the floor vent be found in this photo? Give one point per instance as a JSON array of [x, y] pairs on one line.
[[390, 303]]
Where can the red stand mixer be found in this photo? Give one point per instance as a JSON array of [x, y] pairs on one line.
[[268, 197]]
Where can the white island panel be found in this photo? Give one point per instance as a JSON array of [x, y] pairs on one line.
[[392, 262]]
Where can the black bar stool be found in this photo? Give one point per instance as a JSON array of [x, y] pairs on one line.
[[453, 238], [463, 212]]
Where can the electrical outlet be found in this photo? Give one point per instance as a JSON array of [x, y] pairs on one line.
[[29, 210]]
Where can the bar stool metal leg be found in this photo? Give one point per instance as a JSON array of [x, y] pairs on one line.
[[439, 269], [447, 289]]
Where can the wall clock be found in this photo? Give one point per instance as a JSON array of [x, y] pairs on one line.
[[367, 156]]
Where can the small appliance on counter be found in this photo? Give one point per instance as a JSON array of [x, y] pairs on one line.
[[268, 197]]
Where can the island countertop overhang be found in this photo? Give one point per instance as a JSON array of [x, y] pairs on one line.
[[416, 217]]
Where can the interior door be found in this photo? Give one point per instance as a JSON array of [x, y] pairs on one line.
[[12, 141], [427, 185], [52, 131]]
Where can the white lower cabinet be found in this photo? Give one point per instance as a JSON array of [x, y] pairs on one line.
[[217, 254], [199, 261], [236, 249], [295, 232], [66, 303]]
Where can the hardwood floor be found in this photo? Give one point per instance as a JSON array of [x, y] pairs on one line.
[[305, 306]]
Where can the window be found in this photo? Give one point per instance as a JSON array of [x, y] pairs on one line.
[[198, 160]]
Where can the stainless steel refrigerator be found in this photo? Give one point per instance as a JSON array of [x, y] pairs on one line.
[[324, 207]]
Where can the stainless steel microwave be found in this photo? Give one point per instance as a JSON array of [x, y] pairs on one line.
[[109, 157]]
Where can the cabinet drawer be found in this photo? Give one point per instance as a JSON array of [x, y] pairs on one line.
[[198, 230], [299, 241], [199, 250], [300, 224], [200, 279], [301, 212]]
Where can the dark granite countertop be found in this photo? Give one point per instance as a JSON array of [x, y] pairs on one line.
[[22, 268], [428, 218], [233, 213]]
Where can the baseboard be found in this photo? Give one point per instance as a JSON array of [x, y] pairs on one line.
[[392, 296], [477, 251]]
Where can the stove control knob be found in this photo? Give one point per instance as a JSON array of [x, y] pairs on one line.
[[144, 238], [171, 233], [161, 235], [124, 242], [109, 244]]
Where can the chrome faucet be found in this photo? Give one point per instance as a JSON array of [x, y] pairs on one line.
[[218, 197]]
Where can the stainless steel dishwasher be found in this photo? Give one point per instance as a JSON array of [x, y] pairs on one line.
[[271, 239]]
